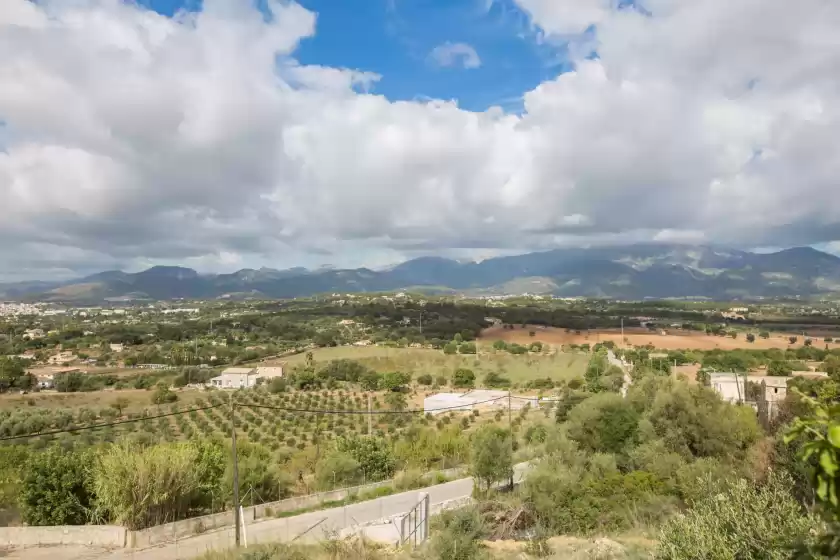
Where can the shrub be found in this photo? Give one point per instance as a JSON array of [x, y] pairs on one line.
[[606, 422], [746, 521], [56, 488], [424, 379], [463, 378]]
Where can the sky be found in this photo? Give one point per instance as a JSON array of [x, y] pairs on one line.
[[229, 134]]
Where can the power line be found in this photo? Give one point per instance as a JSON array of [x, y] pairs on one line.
[[107, 424]]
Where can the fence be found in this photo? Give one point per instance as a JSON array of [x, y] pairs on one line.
[[105, 536], [179, 530]]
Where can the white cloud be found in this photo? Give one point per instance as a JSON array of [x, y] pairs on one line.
[[130, 138], [449, 55]]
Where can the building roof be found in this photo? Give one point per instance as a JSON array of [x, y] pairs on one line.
[[238, 370], [270, 371]]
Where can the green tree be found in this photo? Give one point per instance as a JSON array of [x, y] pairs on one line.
[[463, 378], [336, 470], [395, 381], [163, 395], [467, 348], [604, 423], [793, 339], [373, 454], [750, 337], [491, 458], [781, 368], [596, 368], [450, 348], [764, 334], [56, 488], [424, 379], [499, 345], [370, 381], [396, 401]]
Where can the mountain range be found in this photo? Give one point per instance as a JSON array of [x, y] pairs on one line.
[[624, 272]]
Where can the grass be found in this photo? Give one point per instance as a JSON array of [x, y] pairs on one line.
[[558, 366], [136, 399]]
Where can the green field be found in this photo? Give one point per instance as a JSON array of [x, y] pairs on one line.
[[558, 366]]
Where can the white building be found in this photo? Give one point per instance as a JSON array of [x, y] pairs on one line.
[[732, 388], [441, 403], [244, 378], [116, 348], [62, 357]]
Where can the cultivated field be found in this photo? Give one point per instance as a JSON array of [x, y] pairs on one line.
[[519, 369], [672, 340]]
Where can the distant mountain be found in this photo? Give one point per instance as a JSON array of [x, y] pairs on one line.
[[625, 272]]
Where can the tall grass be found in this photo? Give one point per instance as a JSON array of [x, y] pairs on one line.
[[141, 487]]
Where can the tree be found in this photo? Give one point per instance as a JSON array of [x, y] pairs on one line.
[[373, 454], [808, 342], [424, 379], [491, 458], [780, 368], [56, 488], [13, 375], [120, 405], [595, 370], [395, 381], [604, 423], [337, 469], [370, 381], [396, 401], [463, 378], [750, 337], [450, 348], [764, 334], [163, 395], [499, 345], [793, 339], [467, 348]]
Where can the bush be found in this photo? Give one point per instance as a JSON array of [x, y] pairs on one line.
[[460, 535], [424, 379], [746, 521], [56, 488], [463, 378], [606, 422]]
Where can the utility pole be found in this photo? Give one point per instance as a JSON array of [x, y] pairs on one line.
[[236, 511], [370, 418], [622, 330], [510, 428]]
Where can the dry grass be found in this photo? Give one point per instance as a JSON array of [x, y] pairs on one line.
[[137, 399], [673, 340], [519, 369]]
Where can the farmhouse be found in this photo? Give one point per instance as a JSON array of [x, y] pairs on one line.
[[244, 378], [442, 403]]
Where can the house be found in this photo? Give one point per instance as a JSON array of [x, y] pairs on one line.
[[731, 386], [116, 348], [46, 381], [32, 334], [235, 378], [269, 372], [244, 378], [64, 357], [442, 403]]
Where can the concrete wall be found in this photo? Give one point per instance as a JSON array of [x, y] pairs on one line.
[[179, 530], [106, 536]]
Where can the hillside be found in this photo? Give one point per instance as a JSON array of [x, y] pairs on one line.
[[627, 272]]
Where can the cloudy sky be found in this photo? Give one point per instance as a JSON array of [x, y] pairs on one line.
[[223, 134]]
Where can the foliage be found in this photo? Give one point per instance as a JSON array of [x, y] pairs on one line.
[[56, 488], [606, 422], [491, 458], [745, 521], [463, 378], [141, 487], [395, 381], [163, 395], [374, 455], [338, 469], [694, 421], [13, 375], [779, 368], [460, 535]]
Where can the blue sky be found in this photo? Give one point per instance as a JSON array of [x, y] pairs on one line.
[[394, 38]]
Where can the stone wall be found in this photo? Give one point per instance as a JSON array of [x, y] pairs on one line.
[[105, 536]]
